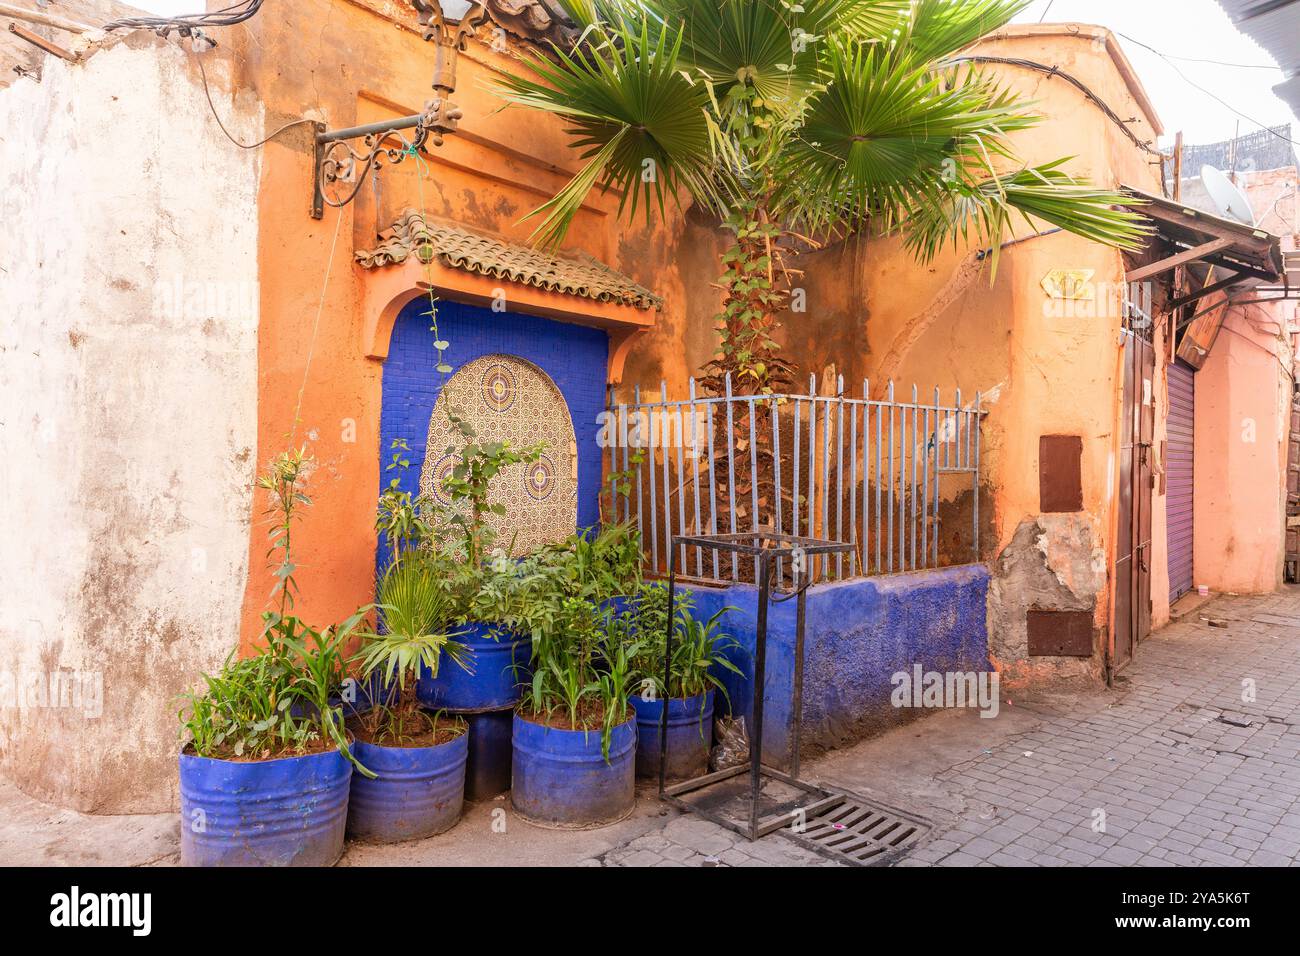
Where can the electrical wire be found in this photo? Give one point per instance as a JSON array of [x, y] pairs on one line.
[[208, 94], [1073, 81], [1193, 59], [189, 23], [1214, 96]]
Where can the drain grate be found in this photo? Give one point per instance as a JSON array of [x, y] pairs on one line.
[[860, 833]]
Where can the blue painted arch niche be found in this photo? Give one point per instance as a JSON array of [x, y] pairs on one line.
[[574, 356]]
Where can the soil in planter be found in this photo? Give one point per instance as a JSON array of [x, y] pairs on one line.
[[227, 752], [448, 729], [591, 716]]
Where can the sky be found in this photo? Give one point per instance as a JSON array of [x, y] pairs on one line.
[[1195, 29]]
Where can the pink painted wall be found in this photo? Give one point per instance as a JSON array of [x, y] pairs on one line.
[[1243, 394], [1243, 401]]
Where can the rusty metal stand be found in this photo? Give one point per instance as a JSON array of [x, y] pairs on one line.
[[768, 549]]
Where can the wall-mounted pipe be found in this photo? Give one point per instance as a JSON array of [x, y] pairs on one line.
[[45, 19]]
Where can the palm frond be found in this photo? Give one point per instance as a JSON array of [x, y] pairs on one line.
[[936, 28], [638, 121], [766, 46], [875, 20], [983, 211], [415, 609], [886, 132]]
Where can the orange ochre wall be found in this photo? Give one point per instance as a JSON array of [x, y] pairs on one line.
[[871, 310], [349, 62]]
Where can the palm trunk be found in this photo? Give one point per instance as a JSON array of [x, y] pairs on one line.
[[755, 291]]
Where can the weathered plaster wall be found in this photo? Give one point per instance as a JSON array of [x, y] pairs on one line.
[[127, 378], [347, 63], [1243, 395], [858, 634], [1065, 363]]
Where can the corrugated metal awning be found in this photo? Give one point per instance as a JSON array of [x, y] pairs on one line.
[[1243, 255], [1274, 25]]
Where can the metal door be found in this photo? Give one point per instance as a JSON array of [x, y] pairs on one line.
[[1293, 495], [1133, 551], [1178, 477]]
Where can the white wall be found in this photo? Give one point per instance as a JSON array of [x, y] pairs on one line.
[[127, 416]]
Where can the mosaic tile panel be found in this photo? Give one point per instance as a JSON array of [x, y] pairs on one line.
[[507, 399]]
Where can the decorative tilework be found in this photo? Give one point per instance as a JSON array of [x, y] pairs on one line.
[[507, 399], [574, 357]]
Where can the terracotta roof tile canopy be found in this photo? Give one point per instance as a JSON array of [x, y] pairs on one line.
[[579, 275]]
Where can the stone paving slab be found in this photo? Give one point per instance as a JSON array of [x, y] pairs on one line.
[[1193, 759]]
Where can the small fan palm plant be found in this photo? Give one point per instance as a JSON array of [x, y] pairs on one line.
[[416, 611], [799, 120]]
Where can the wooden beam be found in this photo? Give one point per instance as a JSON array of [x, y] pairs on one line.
[[1250, 271], [45, 19], [1182, 258], [1207, 290]]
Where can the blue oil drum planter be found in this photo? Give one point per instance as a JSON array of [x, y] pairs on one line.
[[690, 734], [561, 779], [495, 673], [417, 791], [290, 811]]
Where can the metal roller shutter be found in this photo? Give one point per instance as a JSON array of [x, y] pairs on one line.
[[1178, 484]]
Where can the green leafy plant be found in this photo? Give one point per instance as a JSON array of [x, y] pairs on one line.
[[582, 671], [596, 566], [406, 522], [468, 487], [698, 646], [415, 615], [416, 611], [286, 698], [281, 480]]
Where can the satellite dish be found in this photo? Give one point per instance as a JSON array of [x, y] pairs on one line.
[[1227, 197]]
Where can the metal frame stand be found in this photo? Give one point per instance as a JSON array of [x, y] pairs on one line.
[[768, 549]]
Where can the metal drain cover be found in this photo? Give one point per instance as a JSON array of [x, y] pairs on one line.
[[860, 833]]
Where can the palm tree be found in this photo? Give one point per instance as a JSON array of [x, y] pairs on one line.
[[795, 121]]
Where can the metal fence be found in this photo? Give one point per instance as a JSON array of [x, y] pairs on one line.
[[896, 478]]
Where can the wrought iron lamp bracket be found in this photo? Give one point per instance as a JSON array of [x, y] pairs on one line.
[[338, 160]]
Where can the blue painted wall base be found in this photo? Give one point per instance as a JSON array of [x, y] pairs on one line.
[[858, 634]]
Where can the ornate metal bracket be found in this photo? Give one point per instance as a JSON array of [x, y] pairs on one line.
[[338, 161]]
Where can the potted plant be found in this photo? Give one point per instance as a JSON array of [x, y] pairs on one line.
[[574, 731], [491, 591], [418, 758], [697, 655], [266, 764]]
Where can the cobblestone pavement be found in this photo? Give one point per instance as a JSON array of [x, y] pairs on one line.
[[691, 841], [1193, 759], [1194, 763]]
